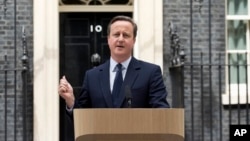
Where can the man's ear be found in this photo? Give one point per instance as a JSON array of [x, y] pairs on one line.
[[108, 39]]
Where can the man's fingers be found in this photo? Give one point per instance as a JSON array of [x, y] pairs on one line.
[[64, 81], [62, 89], [64, 78], [64, 86]]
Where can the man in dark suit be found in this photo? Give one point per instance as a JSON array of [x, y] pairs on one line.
[[140, 81]]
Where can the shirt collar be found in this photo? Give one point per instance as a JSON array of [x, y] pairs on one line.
[[125, 63]]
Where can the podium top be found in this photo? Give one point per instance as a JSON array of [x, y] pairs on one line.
[[129, 124]]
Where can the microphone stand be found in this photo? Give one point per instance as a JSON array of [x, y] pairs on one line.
[[128, 96]]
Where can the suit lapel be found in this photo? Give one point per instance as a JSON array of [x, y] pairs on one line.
[[105, 85], [130, 78]]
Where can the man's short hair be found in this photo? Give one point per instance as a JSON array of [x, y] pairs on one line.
[[123, 18]]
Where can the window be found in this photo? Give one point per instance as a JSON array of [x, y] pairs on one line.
[[97, 2], [237, 52]]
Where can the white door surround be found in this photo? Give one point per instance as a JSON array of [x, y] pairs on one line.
[[149, 47]]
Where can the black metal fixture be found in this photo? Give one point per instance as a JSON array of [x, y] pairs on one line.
[[4, 7], [95, 59], [178, 54], [200, 4], [176, 68], [25, 52]]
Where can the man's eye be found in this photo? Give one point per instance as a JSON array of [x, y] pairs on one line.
[[126, 36], [116, 35]]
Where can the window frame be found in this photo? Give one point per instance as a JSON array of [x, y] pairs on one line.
[[237, 93]]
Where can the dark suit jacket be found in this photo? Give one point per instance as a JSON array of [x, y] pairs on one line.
[[144, 79]]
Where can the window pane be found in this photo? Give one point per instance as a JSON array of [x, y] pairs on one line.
[[236, 35], [237, 68], [237, 7]]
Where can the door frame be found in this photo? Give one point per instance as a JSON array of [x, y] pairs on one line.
[[46, 55]]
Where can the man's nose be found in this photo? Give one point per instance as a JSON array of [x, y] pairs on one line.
[[121, 38]]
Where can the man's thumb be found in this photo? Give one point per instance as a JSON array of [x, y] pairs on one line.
[[66, 81], [64, 77]]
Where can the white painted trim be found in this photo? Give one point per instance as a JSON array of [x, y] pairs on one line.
[[148, 47], [105, 8], [237, 17], [135, 16], [236, 94], [234, 99], [46, 67], [158, 33], [149, 18]]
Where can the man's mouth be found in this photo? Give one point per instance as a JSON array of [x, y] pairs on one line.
[[120, 46]]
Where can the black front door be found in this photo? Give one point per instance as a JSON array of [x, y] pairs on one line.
[[81, 36]]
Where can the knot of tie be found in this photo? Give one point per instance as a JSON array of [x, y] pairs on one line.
[[119, 67]]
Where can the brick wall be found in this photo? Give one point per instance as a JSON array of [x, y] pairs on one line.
[[177, 11], [211, 44], [11, 51]]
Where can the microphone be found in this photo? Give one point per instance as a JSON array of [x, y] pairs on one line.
[[128, 95]]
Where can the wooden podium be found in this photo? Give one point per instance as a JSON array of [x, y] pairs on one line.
[[129, 124]]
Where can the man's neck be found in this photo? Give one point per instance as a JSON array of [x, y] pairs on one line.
[[120, 59]]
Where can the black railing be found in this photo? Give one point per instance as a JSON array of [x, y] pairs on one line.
[[209, 98], [13, 97], [14, 72], [213, 100], [10, 95]]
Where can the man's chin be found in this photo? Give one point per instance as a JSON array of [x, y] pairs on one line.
[[120, 54]]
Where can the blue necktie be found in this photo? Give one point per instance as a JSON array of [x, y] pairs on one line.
[[117, 85]]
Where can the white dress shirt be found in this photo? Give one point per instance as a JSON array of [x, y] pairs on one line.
[[112, 70]]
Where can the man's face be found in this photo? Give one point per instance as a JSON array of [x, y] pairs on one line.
[[121, 40]]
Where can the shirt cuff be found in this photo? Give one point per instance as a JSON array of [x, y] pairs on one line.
[[70, 110]]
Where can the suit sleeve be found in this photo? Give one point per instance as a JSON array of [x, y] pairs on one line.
[[82, 102], [157, 91], [84, 99]]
